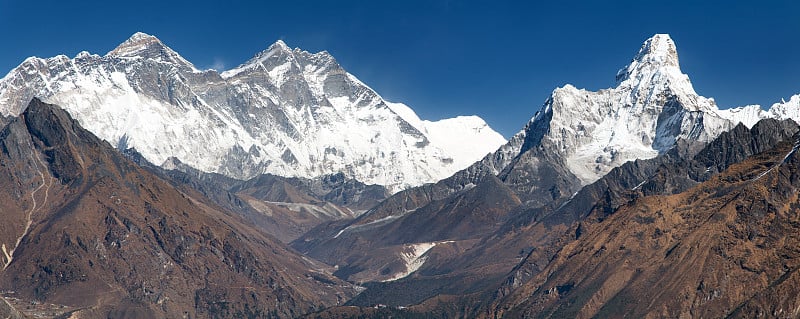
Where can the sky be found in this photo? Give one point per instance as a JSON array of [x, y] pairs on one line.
[[497, 59]]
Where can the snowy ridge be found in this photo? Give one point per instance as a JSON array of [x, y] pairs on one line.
[[256, 61], [285, 111], [787, 109], [749, 115], [452, 135]]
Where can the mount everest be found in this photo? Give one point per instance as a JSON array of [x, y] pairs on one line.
[[286, 111]]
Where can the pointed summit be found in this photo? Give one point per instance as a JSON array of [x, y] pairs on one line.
[[137, 42], [276, 51], [279, 45], [659, 51], [277, 48], [61, 135], [273, 49], [149, 47], [138, 36]]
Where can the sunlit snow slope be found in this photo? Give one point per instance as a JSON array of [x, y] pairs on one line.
[[286, 111]]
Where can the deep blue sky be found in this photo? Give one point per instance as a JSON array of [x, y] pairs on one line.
[[496, 59]]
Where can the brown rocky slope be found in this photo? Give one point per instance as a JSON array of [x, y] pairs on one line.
[[87, 228], [725, 248]]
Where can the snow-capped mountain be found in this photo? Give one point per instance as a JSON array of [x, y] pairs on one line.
[[652, 106], [285, 111]]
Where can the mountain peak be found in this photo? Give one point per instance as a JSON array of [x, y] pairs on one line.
[[658, 49], [279, 49], [657, 52], [650, 108], [146, 46], [58, 133], [47, 114], [279, 45], [136, 43], [138, 36]]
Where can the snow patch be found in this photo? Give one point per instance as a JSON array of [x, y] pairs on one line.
[[783, 161], [413, 255]]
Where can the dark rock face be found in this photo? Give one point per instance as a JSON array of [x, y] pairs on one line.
[[54, 133], [471, 214], [87, 228], [539, 177]]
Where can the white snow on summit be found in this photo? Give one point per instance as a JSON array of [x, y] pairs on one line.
[[285, 111], [142, 45]]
